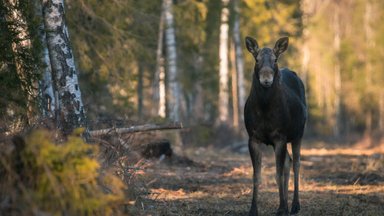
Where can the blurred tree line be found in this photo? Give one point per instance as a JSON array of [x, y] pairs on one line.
[[121, 47]]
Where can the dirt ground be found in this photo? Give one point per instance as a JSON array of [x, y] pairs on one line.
[[334, 181]]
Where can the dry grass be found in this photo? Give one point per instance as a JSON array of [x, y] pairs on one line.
[[334, 181]]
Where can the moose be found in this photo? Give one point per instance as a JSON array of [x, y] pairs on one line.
[[275, 114]]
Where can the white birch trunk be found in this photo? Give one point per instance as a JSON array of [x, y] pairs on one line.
[[223, 73], [158, 87], [239, 60], [70, 112], [172, 77], [162, 92], [47, 96]]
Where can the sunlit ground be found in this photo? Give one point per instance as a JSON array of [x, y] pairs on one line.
[[334, 181]]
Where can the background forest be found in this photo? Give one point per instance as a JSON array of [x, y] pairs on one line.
[[160, 61], [335, 47]]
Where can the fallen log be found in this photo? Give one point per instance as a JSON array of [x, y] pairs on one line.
[[136, 128]]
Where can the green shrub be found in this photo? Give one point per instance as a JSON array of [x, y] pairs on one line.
[[61, 179]]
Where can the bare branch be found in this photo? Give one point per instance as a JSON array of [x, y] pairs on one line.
[[136, 128]]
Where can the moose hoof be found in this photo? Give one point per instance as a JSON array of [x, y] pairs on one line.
[[253, 212], [295, 208], [282, 212]]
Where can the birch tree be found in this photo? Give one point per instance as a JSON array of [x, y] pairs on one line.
[[158, 88], [223, 72], [239, 59], [172, 76], [69, 107], [46, 93]]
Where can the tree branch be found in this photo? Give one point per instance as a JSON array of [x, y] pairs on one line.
[[136, 128]]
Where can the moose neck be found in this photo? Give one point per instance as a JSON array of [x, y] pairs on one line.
[[264, 97]]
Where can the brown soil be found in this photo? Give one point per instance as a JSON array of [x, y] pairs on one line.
[[334, 181]]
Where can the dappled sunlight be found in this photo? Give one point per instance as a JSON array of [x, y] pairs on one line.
[[310, 186], [341, 151], [330, 179], [241, 171], [166, 194]]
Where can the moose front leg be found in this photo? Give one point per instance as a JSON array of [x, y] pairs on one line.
[[287, 168], [280, 157], [255, 152]]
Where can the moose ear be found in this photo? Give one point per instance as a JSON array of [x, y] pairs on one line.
[[251, 45], [280, 46]]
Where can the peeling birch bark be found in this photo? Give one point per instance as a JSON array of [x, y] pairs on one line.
[[47, 96], [69, 107]]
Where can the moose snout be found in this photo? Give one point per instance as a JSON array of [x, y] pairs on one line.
[[267, 83], [266, 76]]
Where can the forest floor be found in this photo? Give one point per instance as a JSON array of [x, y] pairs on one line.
[[210, 181]]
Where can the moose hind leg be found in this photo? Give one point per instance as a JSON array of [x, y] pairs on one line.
[[255, 152], [280, 157], [296, 170]]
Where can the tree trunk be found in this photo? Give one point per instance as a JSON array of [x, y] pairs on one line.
[[381, 111], [239, 61], [158, 87], [223, 73], [69, 112], [172, 77], [307, 8], [336, 47], [368, 65], [19, 47], [47, 96], [140, 90], [235, 97]]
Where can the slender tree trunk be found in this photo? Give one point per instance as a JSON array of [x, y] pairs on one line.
[[47, 96], [162, 90], [70, 112], [368, 65], [140, 91], [239, 60], [381, 111], [336, 48], [172, 76], [158, 87], [223, 73], [307, 7], [235, 98]]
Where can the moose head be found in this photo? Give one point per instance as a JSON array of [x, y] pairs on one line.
[[266, 69]]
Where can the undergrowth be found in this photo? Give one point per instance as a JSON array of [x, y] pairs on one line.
[[38, 175]]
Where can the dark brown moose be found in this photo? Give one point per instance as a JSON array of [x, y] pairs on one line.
[[275, 114]]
